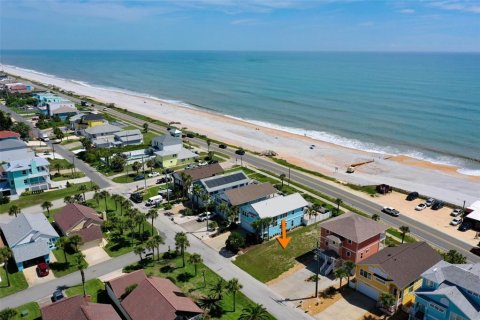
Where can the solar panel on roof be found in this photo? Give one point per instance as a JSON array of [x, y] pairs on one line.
[[220, 181]]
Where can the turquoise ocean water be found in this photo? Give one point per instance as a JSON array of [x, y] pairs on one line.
[[425, 105]]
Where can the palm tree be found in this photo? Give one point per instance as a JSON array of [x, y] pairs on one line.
[[404, 230], [5, 255], [234, 211], [387, 300], [95, 188], [136, 166], [139, 219], [131, 223], [104, 194], [46, 205], [145, 127], [196, 192], [340, 273], [158, 240], [14, 210], [282, 177], [254, 312], [78, 198], [152, 214], [64, 244], [310, 211], [181, 242], [57, 166], [266, 222], [138, 251], [81, 265], [375, 217], [150, 244], [208, 144], [218, 288], [151, 164], [68, 199], [234, 286], [223, 208], [195, 259], [187, 182], [97, 198], [83, 188], [76, 241], [349, 266], [338, 201], [116, 199]]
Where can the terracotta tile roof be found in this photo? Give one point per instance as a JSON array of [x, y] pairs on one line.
[[158, 299], [8, 134], [119, 284], [249, 193], [405, 263], [354, 227], [204, 171], [72, 214], [77, 308], [91, 233]]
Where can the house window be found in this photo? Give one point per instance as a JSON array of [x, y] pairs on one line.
[[348, 254], [328, 231], [365, 274], [429, 283], [380, 280], [366, 251], [361, 255], [437, 307], [24, 172], [291, 223], [349, 241]]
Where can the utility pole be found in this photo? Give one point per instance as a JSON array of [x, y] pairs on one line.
[[317, 257], [144, 176], [289, 176]]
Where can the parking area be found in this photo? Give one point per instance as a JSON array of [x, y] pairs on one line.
[[95, 255], [32, 277], [439, 219], [352, 305]]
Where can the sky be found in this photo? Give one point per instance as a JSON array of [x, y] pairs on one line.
[[264, 25]]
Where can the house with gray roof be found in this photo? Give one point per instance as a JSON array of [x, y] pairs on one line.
[[128, 137], [31, 238], [448, 291], [169, 152], [14, 149], [27, 174], [100, 131]]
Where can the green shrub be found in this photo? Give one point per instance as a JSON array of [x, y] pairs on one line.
[[235, 241]]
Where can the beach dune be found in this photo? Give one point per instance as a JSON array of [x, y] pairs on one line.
[[440, 181]]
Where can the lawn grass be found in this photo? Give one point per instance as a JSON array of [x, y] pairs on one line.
[[17, 281], [61, 267], [33, 310], [127, 178], [193, 285], [398, 234], [64, 164], [153, 191], [94, 288], [268, 260], [67, 176], [39, 198]]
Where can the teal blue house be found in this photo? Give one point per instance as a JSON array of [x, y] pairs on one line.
[[291, 208], [448, 292], [26, 175]]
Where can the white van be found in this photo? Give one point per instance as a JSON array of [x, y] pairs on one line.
[[44, 137], [154, 201]]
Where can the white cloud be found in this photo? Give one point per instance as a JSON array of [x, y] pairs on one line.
[[245, 22], [407, 11], [366, 24], [456, 5]]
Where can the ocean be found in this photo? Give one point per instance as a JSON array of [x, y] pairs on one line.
[[425, 105]]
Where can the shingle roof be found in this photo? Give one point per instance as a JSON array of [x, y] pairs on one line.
[[354, 227], [91, 233], [30, 250], [119, 284], [103, 128], [158, 299], [466, 276], [25, 224], [406, 262], [125, 133], [72, 214], [12, 144], [201, 172], [167, 140], [9, 134], [249, 193], [77, 308], [279, 205]]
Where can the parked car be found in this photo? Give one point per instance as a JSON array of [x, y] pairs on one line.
[[412, 196], [136, 197], [465, 226], [222, 146], [350, 170], [164, 180], [57, 295], [42, 269], [421, 206], [204, 216], [139, 177], [212, 161], [153, 174], [429, 202], [456, 221], [456, 212], [153, 201], [475, 250], [391, 211], [203, 163], [437, 205], [240, 152]]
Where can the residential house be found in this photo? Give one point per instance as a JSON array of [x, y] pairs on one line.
[[31, 238], [30, 174], [14, 149], [50, 104], [153, 298], [473, 215], [448, 291], [216, 186], [128, 137], [349, 237], [175, 133], [289, 208], [79, 308], [5, 135], [102, 136], [169, 152], [18, 87], [78, 219], [395, 270], [63, 112], [196, 174], [86, 121]]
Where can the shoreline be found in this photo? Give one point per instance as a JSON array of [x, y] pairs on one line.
[[400, 170]]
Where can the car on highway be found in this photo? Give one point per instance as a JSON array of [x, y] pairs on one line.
[[456, 212], [391, 211], [412, 196], [153, 174], [437, 205], [42, 269], [136, 197], [429, 202], [57, 295], [240, 152], [465, 226], [475, 250], [455, 221], [139, 177], [421, 206], [222, 146], [204, 216]]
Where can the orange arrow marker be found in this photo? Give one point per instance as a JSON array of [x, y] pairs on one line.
[[284, 240]]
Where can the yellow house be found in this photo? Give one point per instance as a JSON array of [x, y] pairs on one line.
[[90, 121], [395, 270], [169, 152]]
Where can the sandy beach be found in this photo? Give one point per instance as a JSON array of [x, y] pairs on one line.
[[436, 180]]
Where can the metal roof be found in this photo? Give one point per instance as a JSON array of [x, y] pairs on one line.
[[279, 205]]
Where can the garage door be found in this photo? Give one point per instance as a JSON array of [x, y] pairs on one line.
[[368, 291]]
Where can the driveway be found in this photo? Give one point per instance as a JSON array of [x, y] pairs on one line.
[[33, 279], [95, 255], [353, 306]]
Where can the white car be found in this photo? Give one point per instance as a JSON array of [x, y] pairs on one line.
[[421, 206], [204, 216], [391, 211], [456, 221], [456, 212], [153, 174]]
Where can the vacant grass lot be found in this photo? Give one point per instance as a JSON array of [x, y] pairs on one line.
[[194, 286], [94, 288], [268, 260], [61, 267], [17, 281]]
